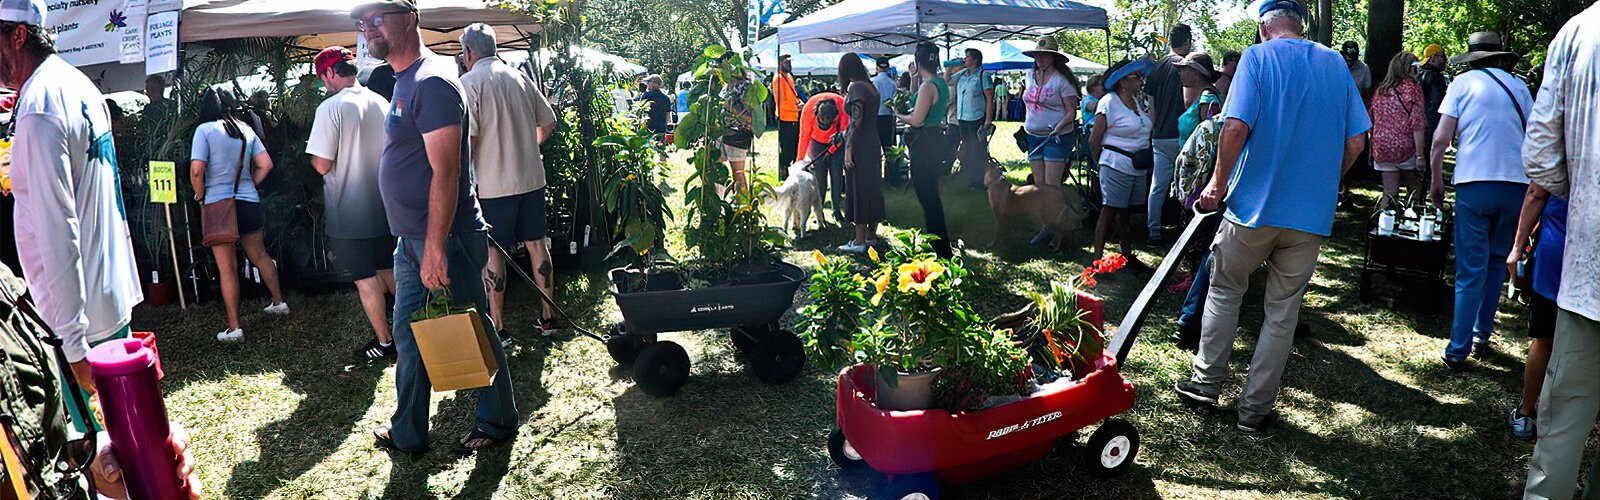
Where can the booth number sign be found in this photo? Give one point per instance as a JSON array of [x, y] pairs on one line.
[[163, 182]]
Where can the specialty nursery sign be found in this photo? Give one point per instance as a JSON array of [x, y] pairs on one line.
[[97, 31]]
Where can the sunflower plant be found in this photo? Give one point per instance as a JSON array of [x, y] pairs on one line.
[[906, 311]]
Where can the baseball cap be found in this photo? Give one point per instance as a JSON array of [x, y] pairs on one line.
[[331, 56], [883, 63], [1432, 50], [30, 12], [382, 6], [1351, 48], [1263, 7]]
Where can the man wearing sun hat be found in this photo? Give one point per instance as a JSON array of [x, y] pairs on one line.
[[429, 197], [1294, 124], [1485, 113], [345, 145]]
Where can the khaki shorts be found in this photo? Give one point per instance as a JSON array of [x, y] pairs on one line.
[[731, 153], [1408, 165]]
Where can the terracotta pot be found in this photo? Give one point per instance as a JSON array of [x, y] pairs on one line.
[[912, 391]]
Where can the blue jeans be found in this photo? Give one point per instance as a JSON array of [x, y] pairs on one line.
[[466, 255], [1486, 222], [1166, 155], [1194, 304]]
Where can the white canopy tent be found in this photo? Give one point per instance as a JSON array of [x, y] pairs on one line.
[[315, 24], [823, 63], [590, 59], [1007, 55], [895, 26]]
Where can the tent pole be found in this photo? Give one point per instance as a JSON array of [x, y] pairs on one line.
[[1108, 45]]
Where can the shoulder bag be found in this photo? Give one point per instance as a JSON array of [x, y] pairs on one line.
[[219, 221]]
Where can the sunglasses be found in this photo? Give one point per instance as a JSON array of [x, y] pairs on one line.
[[372, 22]]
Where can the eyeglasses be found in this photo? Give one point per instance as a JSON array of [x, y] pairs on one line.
[[374, 21]]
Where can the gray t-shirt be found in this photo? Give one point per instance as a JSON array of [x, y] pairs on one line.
[[349, 132], [427, 97], [221, 154]]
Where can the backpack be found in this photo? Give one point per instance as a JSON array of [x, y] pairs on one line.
[[32, 411]]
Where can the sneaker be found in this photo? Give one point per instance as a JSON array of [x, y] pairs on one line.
[[374, 351], [234, 335], [851, 248], [1482, 349], [547, 326], [1455, 366], [1156, 240], [506, 340], [1522, 426], [1191, 392], [1256, 427], [281, 308]]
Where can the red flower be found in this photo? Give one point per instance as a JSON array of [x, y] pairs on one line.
[[1086, 279], [1110, 263]]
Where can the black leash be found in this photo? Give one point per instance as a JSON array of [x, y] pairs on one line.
[[535, 284]]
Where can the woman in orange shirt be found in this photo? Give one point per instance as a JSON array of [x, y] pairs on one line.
[[822, 126]]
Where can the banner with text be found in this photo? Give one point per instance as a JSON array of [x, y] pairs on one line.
[[92, 31]]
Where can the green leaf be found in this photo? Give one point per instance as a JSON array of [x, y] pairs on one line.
[[714, 51]]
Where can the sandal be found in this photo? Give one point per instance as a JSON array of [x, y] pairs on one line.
[[465, 444], [380, 435]]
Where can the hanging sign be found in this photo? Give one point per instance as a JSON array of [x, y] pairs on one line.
[[161, 43], [89, 31]]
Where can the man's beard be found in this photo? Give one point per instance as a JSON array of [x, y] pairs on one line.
[[379, 48], [8, 65]]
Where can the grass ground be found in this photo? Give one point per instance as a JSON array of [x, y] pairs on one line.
[[1367, 410]]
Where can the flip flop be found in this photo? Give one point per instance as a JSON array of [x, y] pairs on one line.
[[476, 435], [380, 435]]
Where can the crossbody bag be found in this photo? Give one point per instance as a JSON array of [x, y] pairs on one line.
[[219, 220]]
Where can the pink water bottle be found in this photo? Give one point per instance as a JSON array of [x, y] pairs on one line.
[[136, 419]]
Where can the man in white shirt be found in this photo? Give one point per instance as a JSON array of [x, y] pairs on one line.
[[72, 228], [885, 84], [509, 118], [1485, 112], [1560, 153], [345, 145]]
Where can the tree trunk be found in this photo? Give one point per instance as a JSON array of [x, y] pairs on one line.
[[1325, 22], [1385, 33]]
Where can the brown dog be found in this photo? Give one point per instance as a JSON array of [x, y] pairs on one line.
[[1055, 208]]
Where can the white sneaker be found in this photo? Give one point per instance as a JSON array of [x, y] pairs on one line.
[[234, 335], [281, 308], [852, 248]]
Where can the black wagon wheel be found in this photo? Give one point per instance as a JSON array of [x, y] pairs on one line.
[[745, 338], [661, 369], [843, 454], [1111, 448], [778, 358], [624, 347]]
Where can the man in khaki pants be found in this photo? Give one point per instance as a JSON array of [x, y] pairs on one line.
[[1294, 124], [1560, 153]]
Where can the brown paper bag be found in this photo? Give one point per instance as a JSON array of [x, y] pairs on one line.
[[455, 349]]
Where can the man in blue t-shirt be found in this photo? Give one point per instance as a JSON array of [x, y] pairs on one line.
[[426, 180], [1294, 125], [660, 105]]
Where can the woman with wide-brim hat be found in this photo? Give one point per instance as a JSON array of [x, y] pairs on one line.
[[1120, 143], [1051, 98]]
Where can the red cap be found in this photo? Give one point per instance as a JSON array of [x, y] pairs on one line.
[[330, 56]]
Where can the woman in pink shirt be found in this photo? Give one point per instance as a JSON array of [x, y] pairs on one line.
[[1398, 125]]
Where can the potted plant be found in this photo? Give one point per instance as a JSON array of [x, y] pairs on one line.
[[908, 318], [1066, 322]]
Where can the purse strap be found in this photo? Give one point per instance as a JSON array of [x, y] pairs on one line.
[[244, 153], [1521, 117]]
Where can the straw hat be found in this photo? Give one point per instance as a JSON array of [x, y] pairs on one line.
[[1482, 45], [1047, 45]]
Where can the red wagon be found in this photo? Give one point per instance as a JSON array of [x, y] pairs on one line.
[[921, 449]]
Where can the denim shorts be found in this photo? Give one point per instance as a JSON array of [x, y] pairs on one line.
[[1054, 148]]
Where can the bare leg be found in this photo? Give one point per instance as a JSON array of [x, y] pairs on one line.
[[1052, 173], [256, 249], [543, 274], [739, 180], [1120, 226], [863, 234], [1533, 374], [1103, 226], [1413, 183], [387, 276], [372, 301], [228, 274], [1391, 184], [1036, 169], [494, 280]]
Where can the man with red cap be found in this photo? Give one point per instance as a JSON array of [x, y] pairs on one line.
[[345, 145]]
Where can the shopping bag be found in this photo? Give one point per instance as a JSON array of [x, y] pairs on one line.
[[454, 345]]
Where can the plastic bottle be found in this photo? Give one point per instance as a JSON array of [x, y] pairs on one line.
[[136, 419], [1386, 223]]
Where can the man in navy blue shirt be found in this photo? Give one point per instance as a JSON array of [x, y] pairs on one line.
[[660, 104], [425, 176], [1295, 123]]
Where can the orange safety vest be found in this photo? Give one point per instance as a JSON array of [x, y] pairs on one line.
[[788, 102]]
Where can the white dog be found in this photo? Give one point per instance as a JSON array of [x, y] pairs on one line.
[[798, 199]]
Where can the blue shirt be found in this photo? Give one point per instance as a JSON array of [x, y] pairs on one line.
[[1552, 247], [886, 87], [427, 97], [1301, 105], [221, 154], [971, 100]]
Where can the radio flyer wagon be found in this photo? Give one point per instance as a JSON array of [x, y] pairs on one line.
[[921, 449]]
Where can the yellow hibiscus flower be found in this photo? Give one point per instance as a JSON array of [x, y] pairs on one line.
[[881, 283], [817, 254], [919, 276]]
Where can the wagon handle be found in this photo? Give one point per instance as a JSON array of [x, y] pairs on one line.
[[1133, 321]]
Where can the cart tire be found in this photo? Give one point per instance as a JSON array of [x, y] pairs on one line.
[[1111, 448], [1366, 286], [910, 487], [624, 347], [778, 358], [661, 369], [745, 338], [842, 453]]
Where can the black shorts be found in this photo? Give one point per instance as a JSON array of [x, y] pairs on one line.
[[252, 217], [516, 218], [1541, 317], [362, 258]]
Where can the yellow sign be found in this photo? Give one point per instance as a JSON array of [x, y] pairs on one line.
[[163, 182]]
